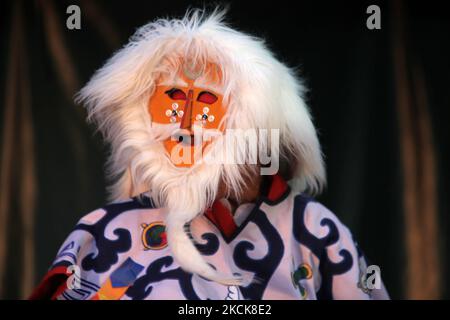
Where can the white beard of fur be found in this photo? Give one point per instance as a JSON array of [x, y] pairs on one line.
[[186, 200], [187, 255], [185, 194], [186, 197]]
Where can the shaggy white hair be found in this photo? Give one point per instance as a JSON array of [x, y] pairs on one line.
[[259, 92]]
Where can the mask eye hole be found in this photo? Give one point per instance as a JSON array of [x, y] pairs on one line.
[[206, 97], [176, 94]]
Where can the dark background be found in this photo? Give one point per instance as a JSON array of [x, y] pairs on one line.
[[354, 91]]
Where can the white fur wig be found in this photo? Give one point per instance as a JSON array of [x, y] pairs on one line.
[[259, 92]]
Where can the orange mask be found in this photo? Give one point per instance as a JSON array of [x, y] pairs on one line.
[[186, 105]]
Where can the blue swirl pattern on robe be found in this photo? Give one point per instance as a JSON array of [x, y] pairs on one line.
[[142, 286], [108, 250], [318, 246], [265, 267]]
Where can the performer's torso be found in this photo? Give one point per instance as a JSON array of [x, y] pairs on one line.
[[123, 254]]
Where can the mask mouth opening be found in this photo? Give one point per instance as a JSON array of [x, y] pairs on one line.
[[186, 138]]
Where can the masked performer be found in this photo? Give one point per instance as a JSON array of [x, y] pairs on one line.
[[214, 160]]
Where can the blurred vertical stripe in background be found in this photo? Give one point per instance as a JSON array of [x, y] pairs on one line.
[[421, 227], [17, 184]]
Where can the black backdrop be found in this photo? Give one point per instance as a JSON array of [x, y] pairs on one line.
[[350, 75]]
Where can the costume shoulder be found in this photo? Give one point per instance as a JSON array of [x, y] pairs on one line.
[[344, 273], [93, 247]]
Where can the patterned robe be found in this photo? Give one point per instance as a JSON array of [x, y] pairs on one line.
[[290, 245]]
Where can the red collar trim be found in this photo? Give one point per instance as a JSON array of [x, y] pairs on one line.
[[223, 218], [278, 188]]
